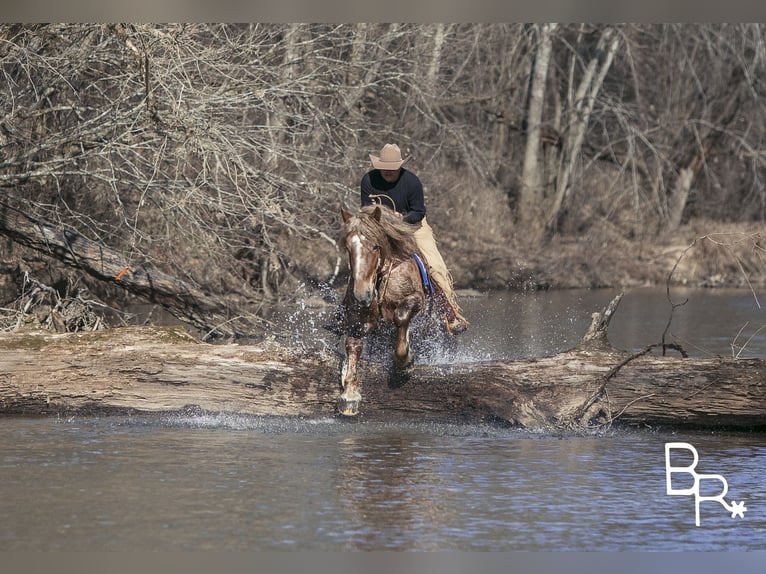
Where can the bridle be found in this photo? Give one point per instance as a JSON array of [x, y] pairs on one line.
[[382, 274]]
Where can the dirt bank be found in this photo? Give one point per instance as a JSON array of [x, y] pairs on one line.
[[700, 254]]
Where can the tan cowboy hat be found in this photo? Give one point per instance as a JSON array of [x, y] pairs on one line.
[[390, 158]]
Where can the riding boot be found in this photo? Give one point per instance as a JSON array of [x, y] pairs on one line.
[[453, 319]]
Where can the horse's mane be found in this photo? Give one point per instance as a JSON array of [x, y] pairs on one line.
[[391, 233]]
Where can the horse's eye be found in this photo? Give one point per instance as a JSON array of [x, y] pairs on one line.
[[376, 247]]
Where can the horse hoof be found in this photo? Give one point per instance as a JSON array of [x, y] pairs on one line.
[[397, 379], [404, 366], [349, 408]]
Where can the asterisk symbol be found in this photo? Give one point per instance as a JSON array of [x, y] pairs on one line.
[[738, 509]]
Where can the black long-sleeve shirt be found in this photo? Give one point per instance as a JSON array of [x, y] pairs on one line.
[[406, 193]]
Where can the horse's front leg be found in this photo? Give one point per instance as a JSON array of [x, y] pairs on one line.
[[351, 398], [359, 322]]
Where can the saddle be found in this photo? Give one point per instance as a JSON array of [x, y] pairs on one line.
[[427, 282]]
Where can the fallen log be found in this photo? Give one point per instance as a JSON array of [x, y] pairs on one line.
[[144, 370]]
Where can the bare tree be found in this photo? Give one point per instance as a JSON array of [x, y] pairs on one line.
[[657, 102], [580, 103], [532, 195], [219, 154], [208, 151]]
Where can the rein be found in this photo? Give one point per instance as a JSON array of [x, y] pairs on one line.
[[384, 277], [376, 197]]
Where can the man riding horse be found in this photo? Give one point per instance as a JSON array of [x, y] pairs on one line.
[[391, 185]]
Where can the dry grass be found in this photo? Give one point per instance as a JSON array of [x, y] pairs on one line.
[[484, 249]]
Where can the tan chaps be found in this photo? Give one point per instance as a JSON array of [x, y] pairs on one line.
[[424, 237]]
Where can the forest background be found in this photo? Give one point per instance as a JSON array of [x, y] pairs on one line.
[[207, 163]]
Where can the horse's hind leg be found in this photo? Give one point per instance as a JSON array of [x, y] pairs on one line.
[[351, 398]]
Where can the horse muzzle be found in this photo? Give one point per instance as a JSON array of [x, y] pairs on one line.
[[364, 297]]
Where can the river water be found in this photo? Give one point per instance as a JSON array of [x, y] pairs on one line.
[[229, 482]]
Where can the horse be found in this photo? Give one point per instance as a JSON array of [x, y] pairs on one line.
[[385, 283]]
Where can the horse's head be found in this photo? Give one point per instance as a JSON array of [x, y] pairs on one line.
[[364, 249]]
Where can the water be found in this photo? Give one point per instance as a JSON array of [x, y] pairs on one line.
[[510, 325], [513, 325], [243, 483], [227, 483]]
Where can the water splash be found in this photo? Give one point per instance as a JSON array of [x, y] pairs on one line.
[[502, 327], [302, 324], [332, 426], [239, 422]]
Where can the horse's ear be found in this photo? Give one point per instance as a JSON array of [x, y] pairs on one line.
[[345, 213], [377, 213]]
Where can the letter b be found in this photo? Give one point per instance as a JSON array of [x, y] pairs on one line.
[[670, 470]]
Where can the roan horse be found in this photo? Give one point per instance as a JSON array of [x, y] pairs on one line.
[[385, 283]]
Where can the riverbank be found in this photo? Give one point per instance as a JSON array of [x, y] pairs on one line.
[[699, 254]]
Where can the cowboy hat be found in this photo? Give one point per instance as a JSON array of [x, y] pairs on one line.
[[390, 158]]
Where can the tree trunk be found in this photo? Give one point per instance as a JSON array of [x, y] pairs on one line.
[[277, 120], [531, 196], [185, 302], [708, 136], [441, 31], [579, 113], [164, 370]]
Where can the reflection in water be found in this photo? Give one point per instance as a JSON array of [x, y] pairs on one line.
[[405, 491], [258, 484], [388, 492]]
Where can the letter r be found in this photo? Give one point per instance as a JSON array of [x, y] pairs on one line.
[[670, 470]]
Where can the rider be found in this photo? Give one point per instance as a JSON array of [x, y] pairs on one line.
[[388, 183]]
